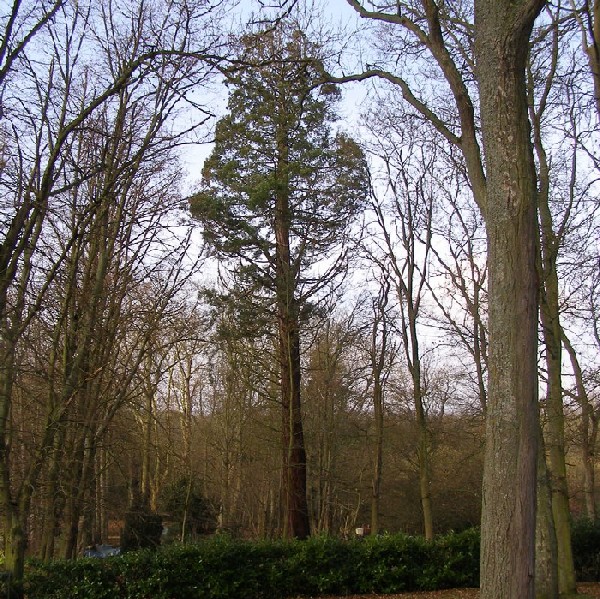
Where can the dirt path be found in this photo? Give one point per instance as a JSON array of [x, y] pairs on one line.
[[590, 590]]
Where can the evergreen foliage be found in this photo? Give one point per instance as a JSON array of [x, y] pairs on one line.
[[585, 540], [184, 503], [278, 138], [142, 529], [225, 568], [280, 193], [222, 567]]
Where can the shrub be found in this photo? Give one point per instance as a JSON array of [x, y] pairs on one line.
[[457, 560], [225, 568], [142, 529], [321, 566], [585, 541], [86, 578], [199, 513], [391, 564]]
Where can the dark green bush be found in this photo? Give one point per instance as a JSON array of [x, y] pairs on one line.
[[142, 529], [199, 514], [392, 563], [86, 578], [585, 541], [396, 563], [224, 568], [457, 560], [321, 566]]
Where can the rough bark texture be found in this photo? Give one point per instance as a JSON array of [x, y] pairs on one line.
[[509, 487], [555, 429], [296, 523], [546, 556]]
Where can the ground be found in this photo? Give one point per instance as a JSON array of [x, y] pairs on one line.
[[587, 590]]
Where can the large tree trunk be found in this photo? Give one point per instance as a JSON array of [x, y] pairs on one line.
[[296, 523], [14, 535], [509, 485], [14, 553]]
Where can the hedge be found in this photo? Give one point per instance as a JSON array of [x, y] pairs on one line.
[[224, 568]]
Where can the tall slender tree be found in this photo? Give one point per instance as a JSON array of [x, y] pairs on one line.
[[405, 249], [382, 353], [279, 195]]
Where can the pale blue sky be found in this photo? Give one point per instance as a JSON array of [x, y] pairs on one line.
[[337, 16]]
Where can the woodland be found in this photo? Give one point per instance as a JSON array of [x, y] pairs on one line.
[[281, 270]]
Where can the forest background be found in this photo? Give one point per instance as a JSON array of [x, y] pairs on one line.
[[164, 350]]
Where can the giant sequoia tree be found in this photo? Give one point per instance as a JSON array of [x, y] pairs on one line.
[[279, 194]]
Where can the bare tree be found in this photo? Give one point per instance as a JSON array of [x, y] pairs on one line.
[[406, 231], [590, 421], [382, 352], [543, 71], [588, 19], [334, 393], [458, 284], [94, 73], [496, 41]]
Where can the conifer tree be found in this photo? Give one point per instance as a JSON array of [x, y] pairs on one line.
[[280, 192]]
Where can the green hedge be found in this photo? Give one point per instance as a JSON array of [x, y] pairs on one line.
[[585, 540], [223, 568]]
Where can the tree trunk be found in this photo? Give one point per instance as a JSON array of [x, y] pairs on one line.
[[424, 466], [546, 555], [549, 244], [379, 356], [423, 433], [55, 500], [15, 539], [549, 309], [591, 43], [378, 461], [15, 508], [14, 553], [588, 431], [75, 492], [510, 474], [296, 523]]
